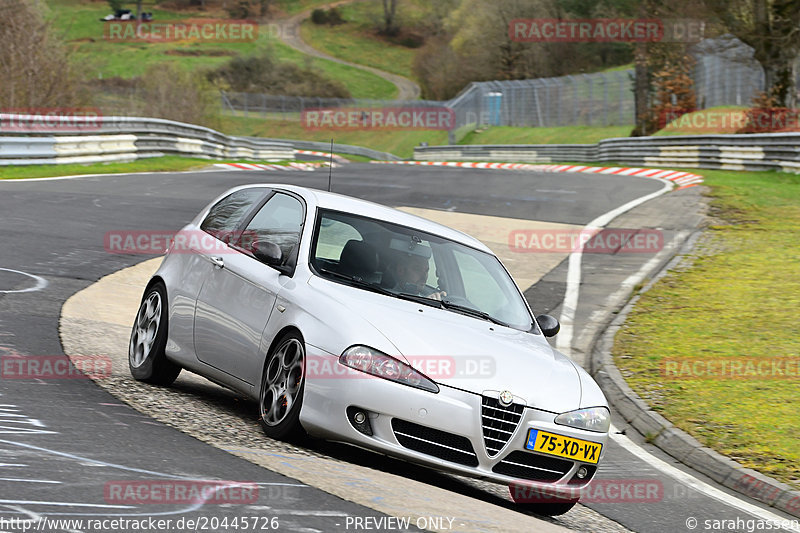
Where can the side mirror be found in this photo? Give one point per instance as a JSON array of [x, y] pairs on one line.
[[549, 325], [268, 252]]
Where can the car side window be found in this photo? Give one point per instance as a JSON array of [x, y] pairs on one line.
[[333, 236], [226, 215], [279, 221]]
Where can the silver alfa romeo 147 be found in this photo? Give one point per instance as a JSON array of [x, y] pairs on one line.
[[354, 322]]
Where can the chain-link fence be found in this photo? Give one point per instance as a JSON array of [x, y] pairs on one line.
[[292, 107], [725, 73], [601, 99]]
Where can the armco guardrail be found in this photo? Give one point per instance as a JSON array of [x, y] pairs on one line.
[[761, 151], [337, 149], [90, 140]]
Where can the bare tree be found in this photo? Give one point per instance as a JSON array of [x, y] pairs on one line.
[[641, 81], [34, 65], [480, 33], [390, 26], [174, 93]]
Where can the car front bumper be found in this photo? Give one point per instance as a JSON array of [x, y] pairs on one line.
[[443, 430]]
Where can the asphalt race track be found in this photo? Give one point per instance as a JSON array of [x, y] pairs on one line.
[[62, 440]]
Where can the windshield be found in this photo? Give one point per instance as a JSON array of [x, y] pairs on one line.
[[408, 263]]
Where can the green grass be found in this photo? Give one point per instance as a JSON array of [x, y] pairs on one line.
[[360, 83], [155, 164], [740, 297], [296, 6], [357, 42], [166, 163], [618, 68], [557, 135], [722, 119], [79, 25], [400, 143]]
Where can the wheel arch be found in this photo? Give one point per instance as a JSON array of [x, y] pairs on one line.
[[153, 281], [291, 328]]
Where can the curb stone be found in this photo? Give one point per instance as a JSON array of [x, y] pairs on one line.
[[663, 434]]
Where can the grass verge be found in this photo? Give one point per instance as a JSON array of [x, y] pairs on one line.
[[722, 119], [356, 40], [155, 164], [737, 296], [556, 135], [79, 25], [400, 143]]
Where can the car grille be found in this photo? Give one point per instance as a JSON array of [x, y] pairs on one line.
[[453, 448], [524, 465], [499, 423]]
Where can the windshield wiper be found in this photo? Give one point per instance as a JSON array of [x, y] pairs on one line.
[[356, 280], [446, 304], [472, 312], [374, 287], [421, 299]]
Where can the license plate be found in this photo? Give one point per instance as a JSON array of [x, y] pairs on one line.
[[561, 446]]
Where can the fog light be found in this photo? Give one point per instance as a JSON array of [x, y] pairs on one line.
[[582, 472], [359, 420]]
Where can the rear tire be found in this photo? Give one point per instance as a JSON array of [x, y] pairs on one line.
[[282, 385], [146, 358]]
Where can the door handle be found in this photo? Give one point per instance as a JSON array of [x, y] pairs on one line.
[[218, 262]]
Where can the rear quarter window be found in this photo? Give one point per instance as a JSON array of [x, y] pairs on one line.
[[228, 213]]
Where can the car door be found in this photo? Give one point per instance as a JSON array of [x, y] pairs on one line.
[[239, 293], [192, 264]]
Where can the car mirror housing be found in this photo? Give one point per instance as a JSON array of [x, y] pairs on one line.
[[268, 252], [549, 325]]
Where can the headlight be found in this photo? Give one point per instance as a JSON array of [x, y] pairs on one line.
[[592, 419], [379, 364]]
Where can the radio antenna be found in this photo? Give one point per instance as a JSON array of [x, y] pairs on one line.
[[330, 168]]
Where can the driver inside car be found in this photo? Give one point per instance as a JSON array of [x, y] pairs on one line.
[[410, 272]]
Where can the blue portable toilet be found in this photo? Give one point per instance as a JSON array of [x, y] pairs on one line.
[[494, 102]]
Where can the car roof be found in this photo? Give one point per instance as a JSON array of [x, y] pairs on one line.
[[340, 202]]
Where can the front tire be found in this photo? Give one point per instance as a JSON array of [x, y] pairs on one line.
[[146, 358], [282, 386]]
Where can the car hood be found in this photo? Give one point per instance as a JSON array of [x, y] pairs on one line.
[[467, 353]]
